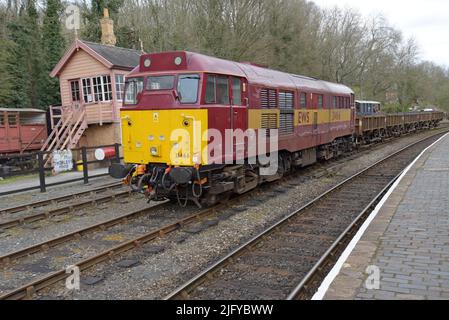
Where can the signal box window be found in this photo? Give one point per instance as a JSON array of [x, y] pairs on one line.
[[188, 88], [87, 91], [236, 91], [107, 88], [75, 87], [2, 120], [334, 104], [102, 88], [97, 89], [160, 83], [119, 86]]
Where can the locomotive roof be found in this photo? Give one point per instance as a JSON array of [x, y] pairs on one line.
[[197, 62], [22, 110]]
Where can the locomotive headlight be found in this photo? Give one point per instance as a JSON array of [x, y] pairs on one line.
[[154, 151], [151, 138], [161, 138], [178, 61], [147, 63]]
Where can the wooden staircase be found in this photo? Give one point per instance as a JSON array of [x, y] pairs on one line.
[[68, 126]]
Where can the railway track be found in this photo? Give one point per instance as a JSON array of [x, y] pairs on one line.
[[50, 213], [76, 235], [28, 290], [304, 245], [57, 200]]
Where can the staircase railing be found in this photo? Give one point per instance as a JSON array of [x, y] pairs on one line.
[[68, 130], [80, 125], [54, 140]]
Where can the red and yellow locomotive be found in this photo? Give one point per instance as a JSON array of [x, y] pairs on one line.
[[177, 104], [200, 128]]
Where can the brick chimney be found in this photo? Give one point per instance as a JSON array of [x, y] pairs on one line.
[[107, 29]]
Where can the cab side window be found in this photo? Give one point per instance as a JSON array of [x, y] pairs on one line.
[[211, 89], [236, 91], [222, 90], [217, 90]]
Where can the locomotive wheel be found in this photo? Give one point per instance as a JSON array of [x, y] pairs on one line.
[[288, 163], [282, 170], [211, 200], [134, 184]]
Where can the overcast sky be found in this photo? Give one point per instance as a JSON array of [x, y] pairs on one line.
[[426, 20]]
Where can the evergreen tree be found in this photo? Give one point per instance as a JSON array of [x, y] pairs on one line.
[[18, 62], [5, 50], [7, 81], [127, 38], [24, 58], [53, 44], [34, 54]]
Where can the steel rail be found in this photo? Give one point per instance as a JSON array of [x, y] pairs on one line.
[[184, 291], [339, 244], [46, 245], [30, 289], [63, 210], [27, 291], [301, 291]]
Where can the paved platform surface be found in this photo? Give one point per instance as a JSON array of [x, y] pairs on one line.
[[407, 242]]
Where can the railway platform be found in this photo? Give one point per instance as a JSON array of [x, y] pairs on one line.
[[402, 251]]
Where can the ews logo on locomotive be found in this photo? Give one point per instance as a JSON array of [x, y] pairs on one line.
[[304, 118]]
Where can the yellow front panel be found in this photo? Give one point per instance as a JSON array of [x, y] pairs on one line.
[[161, 131]]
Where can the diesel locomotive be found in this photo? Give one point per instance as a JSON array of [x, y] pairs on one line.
[[198, 128]]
